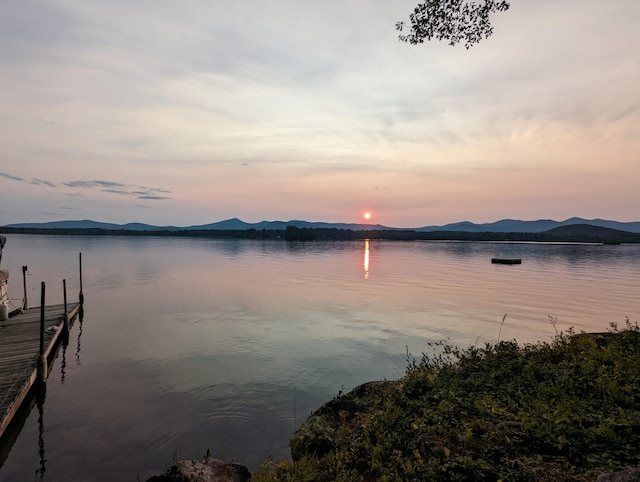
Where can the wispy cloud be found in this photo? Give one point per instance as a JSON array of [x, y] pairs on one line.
[[13, 178], [121, 189], [39, 182], [90, 184], [118, 191], [155, 189], [154, 198]]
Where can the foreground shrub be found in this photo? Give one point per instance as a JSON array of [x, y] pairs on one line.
[[565, 410]]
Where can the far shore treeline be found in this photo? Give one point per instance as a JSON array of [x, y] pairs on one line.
[[576, 233]]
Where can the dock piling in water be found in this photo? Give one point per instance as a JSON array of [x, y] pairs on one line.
[[42, 360], [81, 295], [25, 303], [42, 310], [66, 313]]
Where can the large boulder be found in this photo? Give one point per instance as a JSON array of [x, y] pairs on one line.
[[316, 437], [207, 470]]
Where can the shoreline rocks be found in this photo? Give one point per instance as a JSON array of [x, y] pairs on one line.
[[206, 470], [628, 475], [316, 436]]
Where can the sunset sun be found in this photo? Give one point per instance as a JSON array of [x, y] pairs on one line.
[[367, 216]]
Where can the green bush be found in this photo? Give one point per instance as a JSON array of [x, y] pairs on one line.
[[565, 410]]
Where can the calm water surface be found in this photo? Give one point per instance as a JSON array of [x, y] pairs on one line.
[[189, 344]]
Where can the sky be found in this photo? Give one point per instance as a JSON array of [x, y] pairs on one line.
[[192, 112]]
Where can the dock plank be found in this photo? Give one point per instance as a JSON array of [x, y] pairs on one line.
[[19, 351]]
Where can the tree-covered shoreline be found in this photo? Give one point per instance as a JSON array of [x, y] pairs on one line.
[[579, 233]]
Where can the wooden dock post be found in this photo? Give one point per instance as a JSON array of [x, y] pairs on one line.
[[42, 360], [66, 313], [25, 303], [81, 296]]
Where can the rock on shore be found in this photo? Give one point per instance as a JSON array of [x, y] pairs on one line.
[[206, 470], [629, 475]]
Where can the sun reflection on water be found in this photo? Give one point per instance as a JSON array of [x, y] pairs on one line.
[[366, 258]]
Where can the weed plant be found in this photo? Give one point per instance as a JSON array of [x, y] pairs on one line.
[[564, 410]]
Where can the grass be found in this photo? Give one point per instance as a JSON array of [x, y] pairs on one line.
[[564, 410]]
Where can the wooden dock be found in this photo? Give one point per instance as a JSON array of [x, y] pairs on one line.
[[20, 353]]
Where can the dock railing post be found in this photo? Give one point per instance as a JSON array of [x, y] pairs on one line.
[[81, 296], [25, 303], [66, 312], [42, 360]]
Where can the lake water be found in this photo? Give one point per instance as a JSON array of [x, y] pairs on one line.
[[189, 344]]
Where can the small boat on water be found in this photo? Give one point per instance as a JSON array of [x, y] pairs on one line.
[[506, 260]]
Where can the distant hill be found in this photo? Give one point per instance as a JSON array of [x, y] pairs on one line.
[[539, 226], [88, 224], [591, 234], [235, 224]]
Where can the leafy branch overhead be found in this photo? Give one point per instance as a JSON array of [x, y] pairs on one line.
[[453, 20]]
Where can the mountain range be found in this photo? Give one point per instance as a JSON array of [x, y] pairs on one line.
[[502, 226]]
